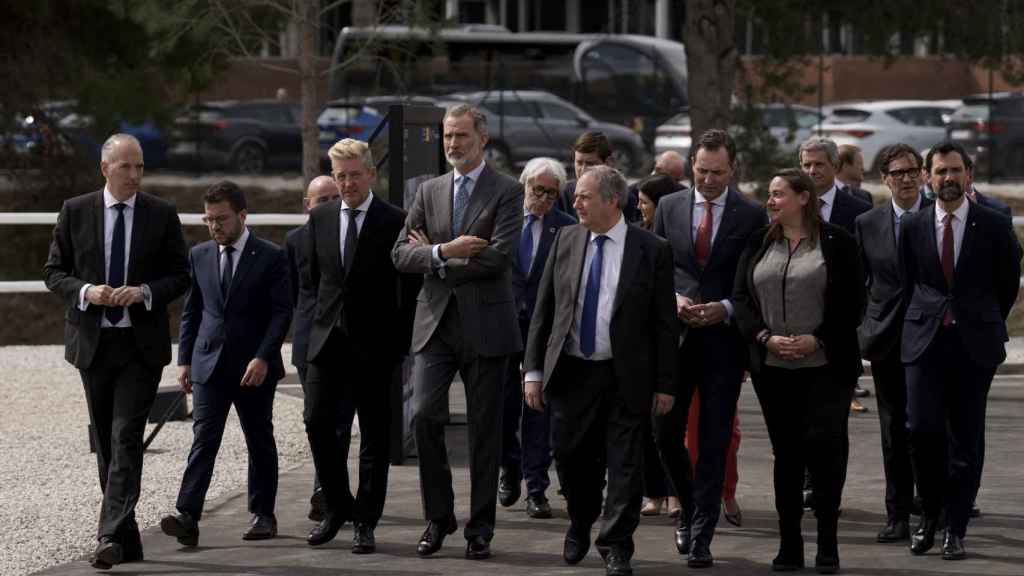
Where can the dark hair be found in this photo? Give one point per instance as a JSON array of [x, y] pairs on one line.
[[226, 191], [894, 152], [656, 186], [847, 154], [800, 182], [593, 142], [948, 147], [715, 139]]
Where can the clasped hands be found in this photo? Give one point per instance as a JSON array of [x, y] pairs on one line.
[[464, 246], [792, 347], [104, 295], [700, 315]]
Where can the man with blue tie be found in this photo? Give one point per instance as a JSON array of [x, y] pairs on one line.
[[529, 460], [601, 352], [235, 319]]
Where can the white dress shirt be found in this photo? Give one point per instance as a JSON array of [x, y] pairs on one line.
[[899, 213], [535, 231], [360, 216], [611, 265], [474, 177], [239, 246], [959, 224], [826, 201]]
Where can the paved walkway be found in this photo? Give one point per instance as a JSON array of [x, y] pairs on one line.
[[533, 547]]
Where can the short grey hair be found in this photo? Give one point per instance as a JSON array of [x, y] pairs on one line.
[[479, 119], [543, 165], [611, 184], [819, 144], [108, 147]]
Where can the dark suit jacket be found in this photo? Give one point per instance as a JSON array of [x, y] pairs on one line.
[[525, 287], [985, 284], [859, 194], [303, 291], [844, 302], [252, 323], [845, 210], [372, 302], [643, 329], [565, 202], [158, 258], [482, 285], [880, 330], [994, 203]]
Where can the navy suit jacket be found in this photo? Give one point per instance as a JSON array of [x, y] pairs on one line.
[[845, 210], [993, 203], [252, 323], [524, 288]]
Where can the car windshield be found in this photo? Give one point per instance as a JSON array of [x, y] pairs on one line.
[[970, 113]]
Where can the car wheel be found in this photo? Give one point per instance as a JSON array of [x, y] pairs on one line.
[[625, 160], [249, 159], [498, 157]]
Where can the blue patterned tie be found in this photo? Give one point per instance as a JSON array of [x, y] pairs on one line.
[[461, 200], [115, 278], [588, 323], [526, 245]]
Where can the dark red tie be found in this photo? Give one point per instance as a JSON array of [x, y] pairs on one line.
[[703, 244], [947, 262]]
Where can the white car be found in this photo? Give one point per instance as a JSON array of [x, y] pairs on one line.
[[872, 126], [789, 125]]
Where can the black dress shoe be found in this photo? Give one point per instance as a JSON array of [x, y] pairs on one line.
[[923, 537], [363, 541], [433, 536], [577, 544], [262, 527], [617, 564], [894, 531], [477, 548], [108, 553], [326, 530], [953, 547], [700, 555], [538, 507], [682, 539], [789, 559], [182, 526], [826, 563], [509, 487], [317, 506]]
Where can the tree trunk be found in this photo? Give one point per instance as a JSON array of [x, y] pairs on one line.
[[711, 62], [308, 87]]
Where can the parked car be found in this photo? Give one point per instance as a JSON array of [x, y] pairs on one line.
[[243, 136], [358, 118], [874, 125], [789, 124], [525, 124], [991, 130]]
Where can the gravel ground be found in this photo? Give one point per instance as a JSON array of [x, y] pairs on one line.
[[50, 495]]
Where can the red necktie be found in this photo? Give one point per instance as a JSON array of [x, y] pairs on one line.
[[703, 246], [947, 262]]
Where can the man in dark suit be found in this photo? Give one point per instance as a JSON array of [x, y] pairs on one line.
[[961, 277], [974, 195], [461, 235], [600, 352], [542, 178], [117, 260], [877, 233], [850, 172], [359, 335], [235, 319], [707, 228], [593, 149], [321, 189]]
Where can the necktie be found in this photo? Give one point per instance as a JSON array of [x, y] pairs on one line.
[[228, 273], [947, 262], [704, 232], [115, 277], [351, 239], [822, 209], [588, 322], [526, 245], [461, 200], [899, 218]]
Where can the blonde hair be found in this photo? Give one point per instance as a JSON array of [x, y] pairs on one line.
[[349, 149]]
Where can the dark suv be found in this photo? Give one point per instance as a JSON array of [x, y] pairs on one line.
[[992, 130], [242, 136]]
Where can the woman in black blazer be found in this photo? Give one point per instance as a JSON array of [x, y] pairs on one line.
[[797, 301]]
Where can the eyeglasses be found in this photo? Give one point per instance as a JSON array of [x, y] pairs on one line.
[[540, 192], [215, 220], [900, 174]]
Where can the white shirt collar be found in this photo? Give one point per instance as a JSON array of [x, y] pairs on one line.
[[829, 197], [900, 211], [698, 198], [616, 233], [362, 207], [109, 200], [239, 244], [473, 174], [960, 214]]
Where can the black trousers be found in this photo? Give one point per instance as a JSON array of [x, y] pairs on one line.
[[525, 435], [119, 391], [805, 412], [434, 368], [346, 377], [891, 395], [344, 431], [705, 363], [594, 433], [947, 395]]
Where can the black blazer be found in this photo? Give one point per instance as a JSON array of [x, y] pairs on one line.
[[993, 203], [985, 284], [844, 302], [643, 329], [251, 323], [524, 288], [859, 194], [880, 330], [303, 292], [372, 302], [845, 210], [158, 258]]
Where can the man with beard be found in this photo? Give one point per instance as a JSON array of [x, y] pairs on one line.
[[961, 275]]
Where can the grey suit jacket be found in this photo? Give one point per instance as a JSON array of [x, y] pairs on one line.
[[482, 285]]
